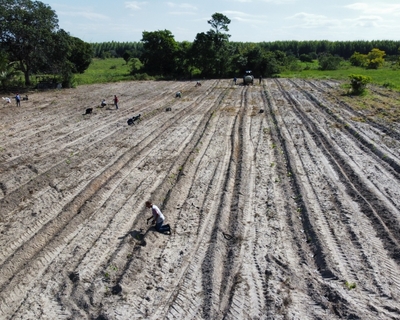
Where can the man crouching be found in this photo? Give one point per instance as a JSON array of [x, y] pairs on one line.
[[158, 218]]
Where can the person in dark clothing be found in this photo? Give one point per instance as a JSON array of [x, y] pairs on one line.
[[116, 101], [18, 99]]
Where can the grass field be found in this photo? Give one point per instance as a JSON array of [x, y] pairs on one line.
[[115, 69], [385, 76], [104, 70]]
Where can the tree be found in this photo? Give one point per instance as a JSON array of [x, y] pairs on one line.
[[127, 56], [358, 59], [375, 58], [203, 54], [81, 55], [7, 71], [26, 28], [160, 49], [136, 65], [210, 50], [329, 62]]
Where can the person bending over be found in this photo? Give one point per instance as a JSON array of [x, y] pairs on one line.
[[158, 218]]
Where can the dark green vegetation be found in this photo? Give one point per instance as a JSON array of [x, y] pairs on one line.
[[34, 51], [32, 43]]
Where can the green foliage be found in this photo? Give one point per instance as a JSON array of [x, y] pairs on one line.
[[117, 49], [26, 28], [358, 59], [8, 74], [210, 51], [375, 58], [358, 83], [160, 51], [305, 58], [350, 285], [81, 55], [372, 60], [100, 71], [135, 65], [329, 62], [29, 34]]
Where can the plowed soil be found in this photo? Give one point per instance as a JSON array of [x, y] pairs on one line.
[[283, 197]]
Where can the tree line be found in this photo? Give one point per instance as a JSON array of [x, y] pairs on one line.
[[313, 48], [32, 43], [211, 54]]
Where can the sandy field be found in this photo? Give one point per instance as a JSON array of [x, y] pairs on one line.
[[283, 197]]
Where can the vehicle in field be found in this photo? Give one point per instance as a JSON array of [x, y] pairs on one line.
[[248, 78]]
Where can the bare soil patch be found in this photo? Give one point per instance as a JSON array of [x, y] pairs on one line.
[[284, 199]]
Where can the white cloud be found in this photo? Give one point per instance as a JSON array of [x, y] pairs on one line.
[[307, 20], [377, 8], [181, 5], [367, 21], [245, 17], [135, 5]]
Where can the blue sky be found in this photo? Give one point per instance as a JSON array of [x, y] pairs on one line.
[[251, 20]]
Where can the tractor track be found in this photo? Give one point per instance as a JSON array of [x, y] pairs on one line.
[[279, 202]]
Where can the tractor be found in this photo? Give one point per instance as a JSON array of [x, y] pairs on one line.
[[248, 78]]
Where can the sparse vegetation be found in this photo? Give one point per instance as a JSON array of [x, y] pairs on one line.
[[350, 285]]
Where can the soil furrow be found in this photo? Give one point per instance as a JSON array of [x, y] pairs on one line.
[[280, 206]]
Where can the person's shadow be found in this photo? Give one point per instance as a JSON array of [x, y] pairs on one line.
[[138, 235]]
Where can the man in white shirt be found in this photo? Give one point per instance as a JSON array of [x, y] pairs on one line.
[[158, 218]]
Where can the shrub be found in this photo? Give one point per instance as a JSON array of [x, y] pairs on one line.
[[358, 59], [359, 83], [329, 62], [305, 58], [375, 58]]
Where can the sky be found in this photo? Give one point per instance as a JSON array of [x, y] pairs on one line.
[[251, 20]]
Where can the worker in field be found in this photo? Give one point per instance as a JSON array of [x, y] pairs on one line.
[[158, 218]]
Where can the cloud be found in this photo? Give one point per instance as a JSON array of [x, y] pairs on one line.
[[367, 21], [182, 9], [135, 5], [376, 8], [185, 6], [308, 20], [245, 17]]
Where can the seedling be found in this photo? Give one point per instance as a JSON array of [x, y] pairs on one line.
[[350, 285]]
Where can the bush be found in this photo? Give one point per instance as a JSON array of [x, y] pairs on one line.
[[358, 59], [375, 58], [329, 62], [358, 83], [305, 58]]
